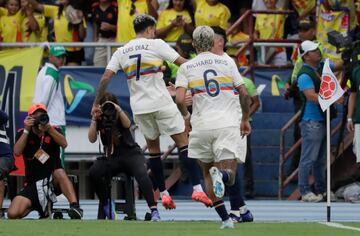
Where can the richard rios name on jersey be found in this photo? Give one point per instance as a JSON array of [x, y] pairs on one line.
[[206, 62]]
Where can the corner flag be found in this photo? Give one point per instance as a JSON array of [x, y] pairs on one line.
[[330, 89]]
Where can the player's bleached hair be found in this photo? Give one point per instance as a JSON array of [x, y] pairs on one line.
[[203, 38], [142, 21]]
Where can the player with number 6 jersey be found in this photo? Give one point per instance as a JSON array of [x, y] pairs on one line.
[[215, 138], [212, 80]]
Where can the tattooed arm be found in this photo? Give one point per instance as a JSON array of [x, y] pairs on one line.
[[105, 79], [245, 127], [244, 102], [108, 74]]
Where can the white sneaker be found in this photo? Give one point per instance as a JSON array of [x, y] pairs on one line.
[[311, 197], [218, 184], [227, 224]]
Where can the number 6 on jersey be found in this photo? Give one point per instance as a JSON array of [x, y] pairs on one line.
[[209, 81]]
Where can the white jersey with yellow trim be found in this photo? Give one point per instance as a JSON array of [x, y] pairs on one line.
[[141, 60], [236, 93], [212, 80]]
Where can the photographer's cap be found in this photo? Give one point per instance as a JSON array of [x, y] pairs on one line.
[[57, 51], [307, 46], [36, 107]]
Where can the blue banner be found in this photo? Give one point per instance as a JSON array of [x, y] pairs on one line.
[[79, 89], [273, 79], [80, 83]]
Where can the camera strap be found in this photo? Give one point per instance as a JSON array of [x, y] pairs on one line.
[[40, 154]]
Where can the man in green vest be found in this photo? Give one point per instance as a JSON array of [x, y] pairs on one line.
[[312, 125], [306, 31]]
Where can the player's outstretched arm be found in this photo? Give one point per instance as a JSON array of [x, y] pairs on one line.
[[105, 79]]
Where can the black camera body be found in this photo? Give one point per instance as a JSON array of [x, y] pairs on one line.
[[108, 114], [42, 119], [108, 121], [349, 47]]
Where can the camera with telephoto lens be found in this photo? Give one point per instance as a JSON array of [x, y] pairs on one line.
[[42, 119], [108, 114], [349, 47]]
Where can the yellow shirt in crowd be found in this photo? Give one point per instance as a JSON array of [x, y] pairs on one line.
[[270, 26], [165, 19], [125, 28], [235, 38], [62, 34], [10, 27], [3, 11], [37, 36], [217, 15]]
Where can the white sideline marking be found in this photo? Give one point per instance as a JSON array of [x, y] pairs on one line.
[[340, 226]]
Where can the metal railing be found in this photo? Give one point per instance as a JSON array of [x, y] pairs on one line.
[[284, 181], [109, 46], [262, 43]]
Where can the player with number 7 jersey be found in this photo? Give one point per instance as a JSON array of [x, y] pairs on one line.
[[154, 111], [141, 60]]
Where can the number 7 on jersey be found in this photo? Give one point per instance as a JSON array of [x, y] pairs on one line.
[[138, 64]]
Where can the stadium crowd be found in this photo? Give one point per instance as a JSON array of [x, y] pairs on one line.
[[110, 21]]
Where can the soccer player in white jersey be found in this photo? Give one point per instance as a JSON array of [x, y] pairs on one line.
[[214, 138], [238, 210], [154, 110]]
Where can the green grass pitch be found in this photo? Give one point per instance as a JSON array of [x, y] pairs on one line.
[[193, 228]]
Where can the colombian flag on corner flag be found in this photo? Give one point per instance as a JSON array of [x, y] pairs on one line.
[[330, 89]]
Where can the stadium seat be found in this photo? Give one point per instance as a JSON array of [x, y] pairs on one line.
[[125, 205]]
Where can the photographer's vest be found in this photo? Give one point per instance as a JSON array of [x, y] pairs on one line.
[[316, 79]]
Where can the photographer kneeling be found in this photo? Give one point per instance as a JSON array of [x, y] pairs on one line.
[[39, 143], [123, 154]]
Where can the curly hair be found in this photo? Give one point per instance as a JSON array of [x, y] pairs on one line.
[[203, 38]]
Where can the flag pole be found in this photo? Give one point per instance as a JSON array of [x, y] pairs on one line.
[[328, 162], [330, 87]]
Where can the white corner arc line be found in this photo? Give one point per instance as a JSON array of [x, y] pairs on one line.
[[339, 226]]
